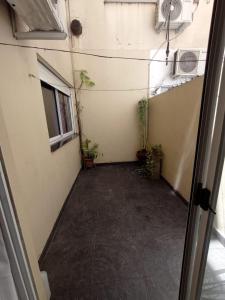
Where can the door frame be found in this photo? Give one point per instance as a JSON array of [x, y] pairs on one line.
[[211, 87], [14, 243], [209, 226]]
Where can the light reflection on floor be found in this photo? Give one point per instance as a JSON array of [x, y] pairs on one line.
[[214, 280]]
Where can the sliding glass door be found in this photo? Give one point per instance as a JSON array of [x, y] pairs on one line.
[[200, 271], [214, 274], [17, 282], [7, 284]]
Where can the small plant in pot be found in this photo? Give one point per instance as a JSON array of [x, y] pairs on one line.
[[85, 81], [154, 161], [89, 153], [143, 127]]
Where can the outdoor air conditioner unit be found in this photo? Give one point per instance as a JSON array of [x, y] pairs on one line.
[[38, 15], [189, 62], [180, 11]]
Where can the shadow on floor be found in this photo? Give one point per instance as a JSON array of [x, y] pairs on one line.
[[121, 236]]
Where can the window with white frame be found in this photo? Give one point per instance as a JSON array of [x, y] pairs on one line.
[[58, 107]]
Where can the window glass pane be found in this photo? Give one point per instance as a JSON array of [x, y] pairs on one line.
[[64, 103], [50, 110]]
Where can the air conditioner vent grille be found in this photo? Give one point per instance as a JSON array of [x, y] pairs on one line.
[[188, 62], [174, 9]]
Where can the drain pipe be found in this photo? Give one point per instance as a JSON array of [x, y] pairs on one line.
[[73, 75]]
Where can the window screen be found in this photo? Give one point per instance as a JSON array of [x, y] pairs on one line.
[[65, 112]]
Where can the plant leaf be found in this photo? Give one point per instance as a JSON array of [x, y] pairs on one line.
[[91, 83]]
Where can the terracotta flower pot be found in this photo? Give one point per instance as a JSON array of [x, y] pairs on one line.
[[88, 163], [141, 155]]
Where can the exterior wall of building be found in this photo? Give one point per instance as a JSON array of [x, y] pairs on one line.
[[173, 123], [40, 179], [117, 29]]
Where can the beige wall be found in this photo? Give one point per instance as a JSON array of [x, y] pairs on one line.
[[40, 180], [173, 123], [109, 118]]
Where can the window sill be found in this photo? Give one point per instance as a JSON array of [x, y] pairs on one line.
[[61, 143]]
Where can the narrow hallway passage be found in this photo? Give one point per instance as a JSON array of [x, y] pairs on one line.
[[120, 236]]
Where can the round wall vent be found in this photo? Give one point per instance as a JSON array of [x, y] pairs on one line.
[[188, 61], [76, 27], [174, 9]]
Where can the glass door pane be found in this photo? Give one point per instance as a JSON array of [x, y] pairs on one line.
[[7, 284], [214, 277], [208, 169]]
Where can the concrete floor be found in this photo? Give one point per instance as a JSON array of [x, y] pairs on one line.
[[121, 236]]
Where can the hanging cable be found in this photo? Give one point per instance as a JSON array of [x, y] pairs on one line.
[[94, 55], [103, 90], [168, 34]]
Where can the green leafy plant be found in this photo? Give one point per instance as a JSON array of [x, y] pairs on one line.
[[85, 79], [88, 83], [89, 151], [153, 161], [143, 122]]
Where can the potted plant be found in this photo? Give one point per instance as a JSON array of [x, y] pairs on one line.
[[85, 81], [143, 127], [89, 153], [154, 161]]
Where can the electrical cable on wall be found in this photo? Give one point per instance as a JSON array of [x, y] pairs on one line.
[[94, 55], [168, 34], [103, 90], [163, 43]]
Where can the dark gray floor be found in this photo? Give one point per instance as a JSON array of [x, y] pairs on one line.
[[120, 236]]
